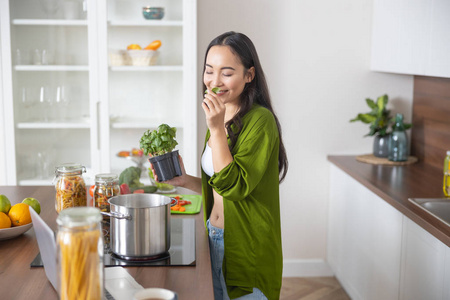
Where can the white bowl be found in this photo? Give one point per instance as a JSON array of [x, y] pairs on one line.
[[9, 233], [155, 293]]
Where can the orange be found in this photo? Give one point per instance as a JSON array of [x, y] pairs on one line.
[[5, 221], [153, 45], [134, 47], [20, 214]]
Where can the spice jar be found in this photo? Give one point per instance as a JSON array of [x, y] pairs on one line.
[[106, 186], [70, 186], [80, 254]]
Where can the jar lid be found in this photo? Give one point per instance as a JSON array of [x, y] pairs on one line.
[[79, 216], [448, 152], [70, 167], [106, 178]]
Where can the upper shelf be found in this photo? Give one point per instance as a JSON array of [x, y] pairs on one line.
[[62, 22], [50, 22], [53, 125], [145, 23], [50, 68], [146, 68]]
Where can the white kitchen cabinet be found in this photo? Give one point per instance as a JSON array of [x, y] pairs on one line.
[[411, 37], [93, 110], [425, 262], [364, 239], [378, 253]]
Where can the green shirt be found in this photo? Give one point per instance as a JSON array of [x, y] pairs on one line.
[[249, 186]]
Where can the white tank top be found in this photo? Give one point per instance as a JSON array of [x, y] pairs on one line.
[[207, 161]]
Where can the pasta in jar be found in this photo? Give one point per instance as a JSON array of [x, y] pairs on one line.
[[80, 254], [106, 186], [70, 187]]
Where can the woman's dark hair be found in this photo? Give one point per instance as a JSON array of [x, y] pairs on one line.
[[255, 91]]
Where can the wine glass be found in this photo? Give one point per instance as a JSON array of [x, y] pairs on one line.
[[61, 103], [45, 104], [26, 103]]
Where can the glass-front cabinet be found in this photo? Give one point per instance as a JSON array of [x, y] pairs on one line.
[[77, 88]]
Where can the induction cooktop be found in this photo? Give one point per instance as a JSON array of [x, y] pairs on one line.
[[181, 251]]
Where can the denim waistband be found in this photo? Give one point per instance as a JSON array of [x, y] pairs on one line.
[[214, 231]]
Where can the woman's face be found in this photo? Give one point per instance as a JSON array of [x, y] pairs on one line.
[[224, 70]]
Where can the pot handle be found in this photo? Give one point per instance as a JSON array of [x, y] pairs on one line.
[[174, 201], [116, 215]]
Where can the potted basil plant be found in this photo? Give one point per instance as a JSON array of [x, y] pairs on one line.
[[159, 144]]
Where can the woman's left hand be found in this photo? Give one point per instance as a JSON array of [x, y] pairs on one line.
[[214, 110]]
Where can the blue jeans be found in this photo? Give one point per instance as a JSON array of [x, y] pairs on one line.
[[216, 250]]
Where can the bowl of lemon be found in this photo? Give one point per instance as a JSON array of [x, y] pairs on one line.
[[15, 219]]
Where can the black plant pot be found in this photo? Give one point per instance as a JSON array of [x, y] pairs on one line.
[[167, 166], [380, 146]]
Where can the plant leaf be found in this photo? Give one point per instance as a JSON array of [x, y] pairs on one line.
[[371, 103], [366, 118]]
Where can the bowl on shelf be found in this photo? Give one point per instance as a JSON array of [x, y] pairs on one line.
[[142, 57], [153, 13]]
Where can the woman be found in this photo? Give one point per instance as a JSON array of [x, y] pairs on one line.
[[243, 162]]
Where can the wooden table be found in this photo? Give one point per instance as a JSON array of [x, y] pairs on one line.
[[19, 281]]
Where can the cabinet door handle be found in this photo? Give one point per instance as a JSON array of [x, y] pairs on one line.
[[98, 125]]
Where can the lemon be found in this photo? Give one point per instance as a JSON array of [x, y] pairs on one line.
[[33, 203], [5, 205]]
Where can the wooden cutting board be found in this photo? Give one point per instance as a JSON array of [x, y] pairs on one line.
[[193, 208]]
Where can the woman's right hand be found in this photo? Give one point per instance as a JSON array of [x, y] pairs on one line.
[[177, 180]]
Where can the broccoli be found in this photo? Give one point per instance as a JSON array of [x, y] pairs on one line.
[[131, 176]]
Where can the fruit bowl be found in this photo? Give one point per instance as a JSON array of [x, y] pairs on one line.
[[142, 57], [117, 57], [9, 233], [137, 158]]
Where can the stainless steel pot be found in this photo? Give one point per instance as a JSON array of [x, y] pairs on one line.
[[140, 225]]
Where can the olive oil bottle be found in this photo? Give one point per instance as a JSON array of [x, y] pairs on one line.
[[446, 185]]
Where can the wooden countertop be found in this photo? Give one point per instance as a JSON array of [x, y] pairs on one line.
[[395, 184], [19, 281]]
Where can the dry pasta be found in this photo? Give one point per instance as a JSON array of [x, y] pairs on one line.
[[80, 265], [70, 192]]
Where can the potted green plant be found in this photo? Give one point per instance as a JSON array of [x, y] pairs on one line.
[[159, 144], [381, 123]]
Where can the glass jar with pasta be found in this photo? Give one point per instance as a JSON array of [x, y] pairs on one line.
[[106, 186], [80, 254], [70, 186]]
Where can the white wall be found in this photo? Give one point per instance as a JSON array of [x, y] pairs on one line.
[[2, 128], [316, 57]]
